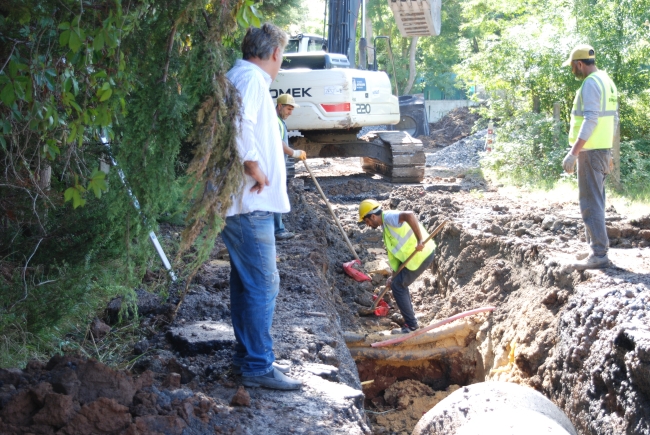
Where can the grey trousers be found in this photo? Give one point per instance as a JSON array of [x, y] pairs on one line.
[[400, 288], [593, 167]]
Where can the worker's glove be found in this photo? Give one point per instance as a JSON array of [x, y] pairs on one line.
[[569, 163], [299, 154]]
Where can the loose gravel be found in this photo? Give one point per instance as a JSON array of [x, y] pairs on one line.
[[462, 155]]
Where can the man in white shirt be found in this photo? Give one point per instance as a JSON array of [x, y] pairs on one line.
[[249, 234]]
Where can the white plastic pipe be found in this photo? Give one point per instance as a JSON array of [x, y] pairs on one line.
[[136, 204]]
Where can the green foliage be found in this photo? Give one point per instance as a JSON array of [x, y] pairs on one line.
[[150, 78], [384, 24], [635, 168], [437, 56], [56, 312], [248, 15], [283, 13], [528, 151], [514, 51]]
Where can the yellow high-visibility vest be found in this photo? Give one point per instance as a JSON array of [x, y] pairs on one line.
[[283, 129], [400, 242], [603, 135]]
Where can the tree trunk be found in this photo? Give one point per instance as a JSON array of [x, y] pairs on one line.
[[371, 42], [536, 104], [45, 177], [412, 72]]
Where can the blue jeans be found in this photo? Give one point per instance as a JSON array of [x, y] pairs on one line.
[[254, 286], [400, 287], [277, 223]]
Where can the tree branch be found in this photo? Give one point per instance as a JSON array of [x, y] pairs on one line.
[[24, 272], [170, 45], [412, 50], [207, 19], [9, 57]]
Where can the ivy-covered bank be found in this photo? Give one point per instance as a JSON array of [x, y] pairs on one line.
[[86, 82]]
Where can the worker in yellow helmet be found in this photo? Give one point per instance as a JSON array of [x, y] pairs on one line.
[[403, 234], [594, 118]]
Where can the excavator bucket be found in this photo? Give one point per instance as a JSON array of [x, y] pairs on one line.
[[417, 17]]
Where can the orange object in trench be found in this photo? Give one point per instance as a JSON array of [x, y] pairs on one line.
[[352, 271], [351, 268]]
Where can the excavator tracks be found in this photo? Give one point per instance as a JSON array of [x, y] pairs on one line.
[[394, 155], [406, 160]]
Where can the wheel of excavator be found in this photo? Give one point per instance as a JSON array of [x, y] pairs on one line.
[[406, 160]]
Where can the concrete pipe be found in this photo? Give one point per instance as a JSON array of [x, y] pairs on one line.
[[491, 408]]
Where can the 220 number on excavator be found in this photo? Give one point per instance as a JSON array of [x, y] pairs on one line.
[[363, 109]]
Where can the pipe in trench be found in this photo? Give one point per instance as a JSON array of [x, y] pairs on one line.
[[430, 327], [394, 355], [495, 408], [457, 331]]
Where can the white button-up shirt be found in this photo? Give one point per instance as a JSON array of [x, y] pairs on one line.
[[258, 140]]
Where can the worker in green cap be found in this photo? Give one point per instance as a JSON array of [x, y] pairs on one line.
[[284, 108]]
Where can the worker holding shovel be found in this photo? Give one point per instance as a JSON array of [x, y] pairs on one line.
[[403, 235]]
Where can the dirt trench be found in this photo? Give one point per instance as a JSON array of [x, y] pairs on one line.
[[580, 339]]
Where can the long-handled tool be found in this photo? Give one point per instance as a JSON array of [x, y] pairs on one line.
[[349, 266], [371, 310]]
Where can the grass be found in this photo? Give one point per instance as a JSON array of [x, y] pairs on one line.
[[629, 202], [86, 292]]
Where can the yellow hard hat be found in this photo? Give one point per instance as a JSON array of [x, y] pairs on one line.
[[366, 206], [287, 99], [580, 52]]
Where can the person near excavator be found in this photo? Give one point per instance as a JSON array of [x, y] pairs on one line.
[[248, 234], [403, 235], [284, 108], [594, 118]]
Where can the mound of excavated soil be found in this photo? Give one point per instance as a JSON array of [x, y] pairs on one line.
[[71, 396], [451, 128]]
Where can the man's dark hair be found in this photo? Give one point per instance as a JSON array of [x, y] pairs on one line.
[[588, 61], [374, 211], [261, 42]]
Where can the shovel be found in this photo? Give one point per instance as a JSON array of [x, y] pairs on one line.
[[381, 311], [351, 267]]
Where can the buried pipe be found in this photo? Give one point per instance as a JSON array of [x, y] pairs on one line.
[[457, 331], [495, 408], [430, 327], [402, 355]]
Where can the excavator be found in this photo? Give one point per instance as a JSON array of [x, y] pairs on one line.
[[338, 98]]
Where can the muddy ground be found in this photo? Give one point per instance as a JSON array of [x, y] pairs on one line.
[[581, 339]]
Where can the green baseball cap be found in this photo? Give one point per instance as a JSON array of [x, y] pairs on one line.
[[581, 52], [288, 100]]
